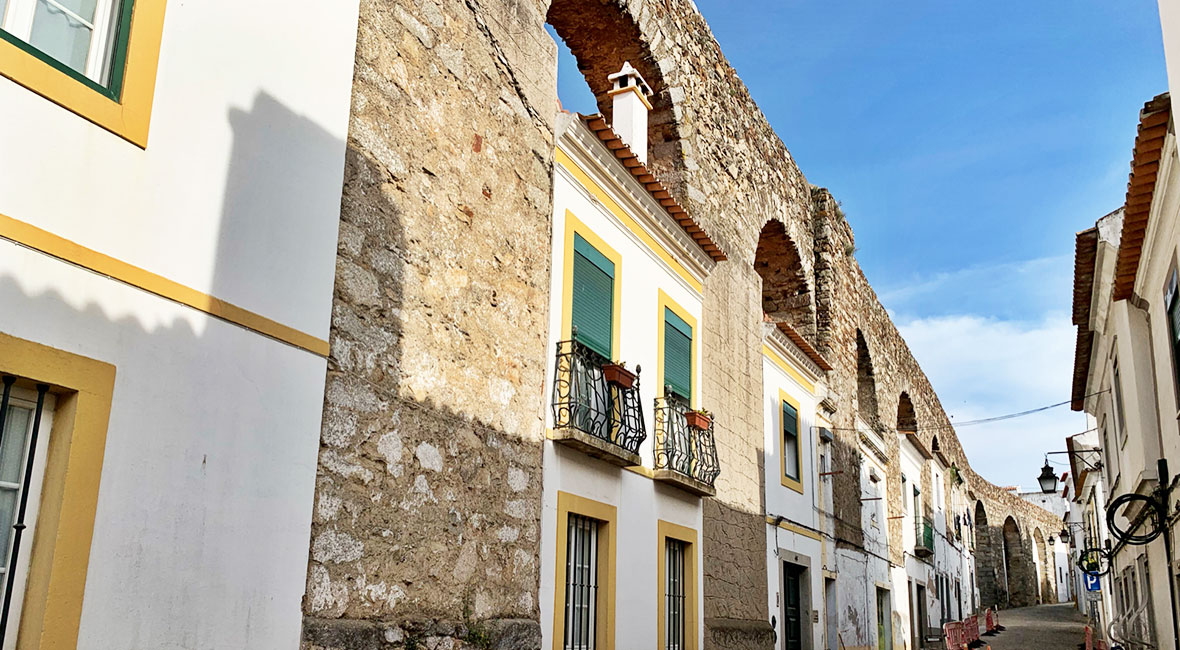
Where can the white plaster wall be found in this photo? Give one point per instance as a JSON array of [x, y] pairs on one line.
[[238, 192], [640, 501], [1170, 26], [782, 500], [204, 509]]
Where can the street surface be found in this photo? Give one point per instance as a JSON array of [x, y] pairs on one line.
[[1044, 627]]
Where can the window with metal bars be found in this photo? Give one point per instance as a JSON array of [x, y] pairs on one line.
[[675, 594], [25, 419], [581, 583]]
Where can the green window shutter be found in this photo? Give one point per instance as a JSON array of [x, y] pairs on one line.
[[677, 354], [1174, 330], [592, 311], [790, 441]]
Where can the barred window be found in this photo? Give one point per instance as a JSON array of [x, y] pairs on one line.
[[675, 594], [581, 583]]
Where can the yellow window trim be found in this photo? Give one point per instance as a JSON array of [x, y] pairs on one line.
[[796, 485], [65, 521], [30, 236], [605, 199], [127, 118], [786, 367], [666, 302], [608, 516], [794, 528], [667, 530], [575, 225]]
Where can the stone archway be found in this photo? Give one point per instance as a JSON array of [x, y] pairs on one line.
[[866, 384], [907, 421], [1046, 579], [786, 296], [1019, 569], [989, 572]]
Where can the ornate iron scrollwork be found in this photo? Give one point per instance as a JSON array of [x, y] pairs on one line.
[[584, 400], [681, 448]]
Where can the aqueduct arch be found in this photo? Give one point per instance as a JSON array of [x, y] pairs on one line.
[[786, 294], [1019, 569], [907, 420], [866, 384], [1046, 580]]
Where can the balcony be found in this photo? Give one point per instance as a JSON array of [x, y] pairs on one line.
[[924, 537], [685, 456], [600, 418]]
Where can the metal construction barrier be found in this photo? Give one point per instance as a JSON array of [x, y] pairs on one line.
[[971, 631], [954, 635]]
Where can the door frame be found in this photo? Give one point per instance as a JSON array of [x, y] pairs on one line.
[[807, 625]]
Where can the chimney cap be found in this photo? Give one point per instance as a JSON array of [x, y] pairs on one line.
[[629, 76]]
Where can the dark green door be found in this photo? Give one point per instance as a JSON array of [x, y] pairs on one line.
[[792, 607]]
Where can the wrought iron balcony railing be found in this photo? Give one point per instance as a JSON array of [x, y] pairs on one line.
[[684, 450], [604, 419], [923, 537]]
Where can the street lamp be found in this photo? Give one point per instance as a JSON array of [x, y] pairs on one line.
[[1048, 478], [1065, 534]]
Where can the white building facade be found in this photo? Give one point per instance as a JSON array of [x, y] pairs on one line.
[[168, 221]]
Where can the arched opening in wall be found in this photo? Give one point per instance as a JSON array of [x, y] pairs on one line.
[[989, 576], [935, 447], [786, 296], [907, 421], [1046, 578], [600, 36], [866, 385], [1018, 567]]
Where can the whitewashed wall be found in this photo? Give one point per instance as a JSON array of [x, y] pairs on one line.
[[201, 535]]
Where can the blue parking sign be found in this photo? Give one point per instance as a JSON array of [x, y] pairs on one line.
[[1092, 583]]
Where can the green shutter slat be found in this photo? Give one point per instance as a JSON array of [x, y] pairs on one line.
[[594, 256], [593, 299], [677, 355], [790, 419]]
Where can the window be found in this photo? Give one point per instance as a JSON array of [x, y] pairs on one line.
[[86, 39], [592, 308], [584, 599], [25, 425], [1120, 422], [677, 355], [676, 562], [1172, 302], [674, 595], [581, 583], [790, 438]]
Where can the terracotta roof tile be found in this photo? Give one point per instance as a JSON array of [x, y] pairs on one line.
[[1149, 143]]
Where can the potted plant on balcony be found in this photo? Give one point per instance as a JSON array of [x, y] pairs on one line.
[[699, 419], [617, 374]]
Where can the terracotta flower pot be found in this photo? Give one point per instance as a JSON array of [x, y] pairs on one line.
[[618, 375], [697, 420]]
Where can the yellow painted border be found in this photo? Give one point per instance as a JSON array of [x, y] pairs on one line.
[[128, 118], [796, 485], [795, 528], [786, 367], [608, 516], [575, 225], [603, 197], [69, 499], [667, 530], [665, 301], [46, 242]]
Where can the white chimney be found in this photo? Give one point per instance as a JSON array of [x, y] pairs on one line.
[[631, 106]]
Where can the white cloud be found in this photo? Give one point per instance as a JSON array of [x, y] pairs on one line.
[[984, 366]]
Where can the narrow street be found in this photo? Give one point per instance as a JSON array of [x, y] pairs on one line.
[[1044, 627]]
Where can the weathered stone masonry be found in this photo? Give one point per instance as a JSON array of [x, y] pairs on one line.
[[426, 526]]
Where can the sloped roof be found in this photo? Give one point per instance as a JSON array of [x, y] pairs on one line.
[[598, 125], [1145, 163], [1085, 253], [804, 346]]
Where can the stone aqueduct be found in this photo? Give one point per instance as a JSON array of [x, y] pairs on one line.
[[441, 299]]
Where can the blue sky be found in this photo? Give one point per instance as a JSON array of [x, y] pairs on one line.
[[967, 142]]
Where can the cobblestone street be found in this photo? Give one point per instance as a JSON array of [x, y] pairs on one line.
[[1045, 627]]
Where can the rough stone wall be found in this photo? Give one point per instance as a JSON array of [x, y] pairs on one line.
[[426, 525]]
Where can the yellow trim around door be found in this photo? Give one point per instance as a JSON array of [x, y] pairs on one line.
[[127, 118], [667, 530], [69, 497], [575, 225], [607, 515], [794, 484], [663, 300], [46, 242]]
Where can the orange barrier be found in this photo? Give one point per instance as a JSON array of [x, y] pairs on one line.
[[954, 635], [971, 629], [989, 619], [1089, 638]]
